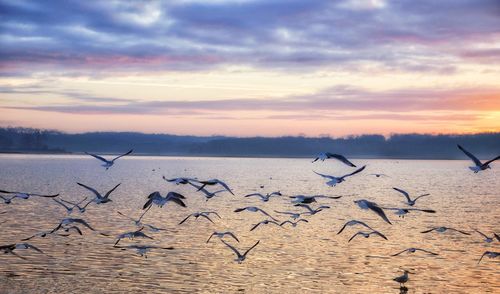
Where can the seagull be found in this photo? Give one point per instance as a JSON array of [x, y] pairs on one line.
[[77, 205], [412, 250], [444, 229], [137, 222], [99, 199], [255, 209], [222, 234], [264, 222], [479, 166], [22, 195], [68, 208], [63, 224], [408, 199], [367, 235], [379, 175], [312, 211], [489, 254], [157, 199], [353, 223], [208, 194], [204, 214], [108, 163], [132, 235], [326, 155], [213, 182], [11, 247], [294, 215], [401, 212], [294, 224], [310, 199], [402, 279], [333, 181], [179, 181], [266, 197], [488, 239], [142, 250], [241, 257], [46, 233], [365, 204]]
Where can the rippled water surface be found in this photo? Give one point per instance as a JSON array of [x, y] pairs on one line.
[[305, 259]]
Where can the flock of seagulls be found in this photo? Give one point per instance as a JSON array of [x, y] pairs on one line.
[[68, 226]]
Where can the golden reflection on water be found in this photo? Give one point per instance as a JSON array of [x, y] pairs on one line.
[[307, 258]]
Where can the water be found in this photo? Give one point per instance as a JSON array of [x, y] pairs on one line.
[[305, 259]]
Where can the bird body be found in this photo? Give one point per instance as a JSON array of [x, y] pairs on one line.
[[478, 165]]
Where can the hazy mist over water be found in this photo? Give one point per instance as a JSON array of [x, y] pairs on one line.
[[308, 258]]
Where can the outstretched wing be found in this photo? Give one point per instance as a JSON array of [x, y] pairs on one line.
[[246, 252], [428, 231], [355, 172], [341, 158], [399, 252], [423, 195], [185, 219], [404, 193], [470, 155], [206, 216], [234, 237], [226, 187], [427, 251], [111, 191], [91, 189], [266, 214], [232, 248], [324, 176], [490, 161], [354, 236], [130, 151], [380, 212], [97, 156]]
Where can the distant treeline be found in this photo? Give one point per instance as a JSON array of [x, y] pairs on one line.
[[367, 146]]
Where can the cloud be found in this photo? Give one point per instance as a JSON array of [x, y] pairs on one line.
[[190, 35]]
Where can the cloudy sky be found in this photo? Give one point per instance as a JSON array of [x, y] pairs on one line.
[[251, 67]]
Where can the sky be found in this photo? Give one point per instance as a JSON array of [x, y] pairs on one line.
[[247, 68]]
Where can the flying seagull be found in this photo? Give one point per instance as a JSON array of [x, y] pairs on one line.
[[213, 182], [240, 257], [142, 250], [444, 229], [179, 181], [379, 175], [294, 224], [310, 210], [64, 223], [204, 214], [489, 254], [333, 181], [132, 235], [266, 197], [222, 234], [77, 205], [46, 233], [310, 199], [401, 212], [208, 194], [11, 247], [69, 209], [255, 209], [407, 196], [367, 235], [326, 155], [156, 198], [488, 239], [353, 223], [22, 195], [264, 222], [478, 165], [413, 250], [108, 163], [99, 199], [365, 204], [293, 215]]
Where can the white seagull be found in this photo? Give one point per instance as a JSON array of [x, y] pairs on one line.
[[99, 199], [222, 234], [264, 222], [294, 224], [479, 166], [179, 181], [367, 235], [77, 205], [213, 182], [156, 198], [108, 163], [255, 209], [353, 223], [22, 195], [204, 214], [413, 250], [132, 235], [333, 181], [266, 197], [11, 247], [409, 201], [240, 257], [365, 204], [312, 211], [444, 229], [325, 155], [69, 209], [401, 212], [488, 239], [208, 194]]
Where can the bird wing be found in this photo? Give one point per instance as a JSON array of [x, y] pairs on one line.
[[287, 221], [255, 194], [43, 195], [423, 195], [81, 221], [305, 206], [428, 231], [477, 162], [404, 193], [91, 189], [210, 237], [355, 172], [427, 251], [130, 151], [256, 225], [490, 161], [485, 253], [379, 211], [462, 232], [185, 219], [178, 201], [358, 233], [226, 187], [284, 212], [246, 252], [76, 229], [341, 158], [324, 176], [497, 237], [98, 157], [15, 254], [148, 203], [175, 195], [240, 209], [343, 227], [125, 216], [34, 248], [62, 204], [232, 248], [380, 234], [206, 216], [399, 252], [266, 214], [423, 210], [111, 191], [234, 237], [315, 159]]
